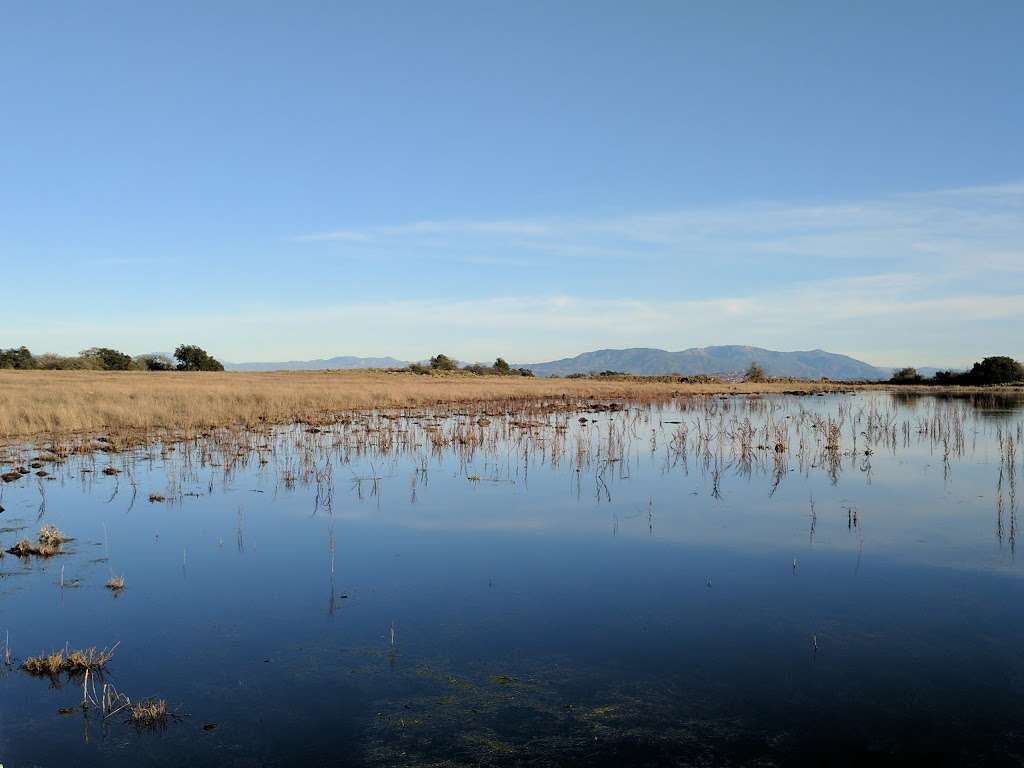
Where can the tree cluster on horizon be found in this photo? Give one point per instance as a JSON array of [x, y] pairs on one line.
[[443, 363], [999, 369], [187, 357]]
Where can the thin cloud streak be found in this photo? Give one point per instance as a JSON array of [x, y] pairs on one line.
[[953, 225]]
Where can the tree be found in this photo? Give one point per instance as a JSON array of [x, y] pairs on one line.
[[443, 363], [755, 372], [996, 370], [109, 359], [905, 376], [19, 358], [501, 367], [154, 363], [193, 358]]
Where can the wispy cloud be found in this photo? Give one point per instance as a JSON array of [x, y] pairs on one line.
[[955, 226]]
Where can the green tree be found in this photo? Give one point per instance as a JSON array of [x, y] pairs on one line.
[[193, 358], [501, 367], [443, 363], [996, 370], [17, 357], [109, 359]]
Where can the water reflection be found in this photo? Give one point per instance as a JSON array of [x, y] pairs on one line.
[[701, 579]]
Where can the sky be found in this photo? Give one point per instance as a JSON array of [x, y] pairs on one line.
[[280, 181]]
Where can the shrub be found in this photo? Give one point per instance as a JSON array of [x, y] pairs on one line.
[[154, 363], [755, 372], [193, 358], [52, 362], [443, 363], [996, 370], [109, 359], [17, 357], [905, 376], [501, 367]]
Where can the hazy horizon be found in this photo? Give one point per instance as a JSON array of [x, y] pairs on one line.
[[291, 183]]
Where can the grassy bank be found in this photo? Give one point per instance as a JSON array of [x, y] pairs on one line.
[[66, 402], [73, 402]]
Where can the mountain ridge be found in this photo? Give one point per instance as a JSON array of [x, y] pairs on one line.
[[712, 360]]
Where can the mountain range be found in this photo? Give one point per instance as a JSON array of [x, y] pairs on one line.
[[720, 360], [346, 362], [812, 364]]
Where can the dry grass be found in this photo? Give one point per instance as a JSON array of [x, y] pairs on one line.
[[51, 536], [58, 403], [72, 662], [149, 713], [49, 543], [115, 583]]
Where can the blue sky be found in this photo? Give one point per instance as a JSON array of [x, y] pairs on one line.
[[280, 181]]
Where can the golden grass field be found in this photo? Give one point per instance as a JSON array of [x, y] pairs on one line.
[[71, 402], [64, 403]]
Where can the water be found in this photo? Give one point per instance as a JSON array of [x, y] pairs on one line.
[[714, 580]]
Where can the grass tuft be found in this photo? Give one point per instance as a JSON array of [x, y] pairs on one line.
[[73, 662], [149, 713], [49, 543], [115, 583]]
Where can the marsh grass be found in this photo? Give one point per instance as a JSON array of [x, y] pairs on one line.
[[115, 583], [72, 662], [49, 542], [124, 403], [149, 713]]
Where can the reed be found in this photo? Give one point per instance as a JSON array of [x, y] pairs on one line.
[[149, 713], [49, 542], [115, 583], [72, 662]]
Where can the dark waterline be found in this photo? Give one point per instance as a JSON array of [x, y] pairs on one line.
[[643, 611]]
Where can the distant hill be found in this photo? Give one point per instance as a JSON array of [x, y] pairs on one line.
[[812, 364], [711, 361], [346, 362]]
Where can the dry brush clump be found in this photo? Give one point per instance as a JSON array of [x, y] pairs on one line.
[[50, 542], [115, 583], [149, 713], [72, 662]]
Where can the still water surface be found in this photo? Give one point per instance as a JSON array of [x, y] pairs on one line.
[[776, 580]]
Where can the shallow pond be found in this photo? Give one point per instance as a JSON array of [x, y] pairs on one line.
[[720, 580]]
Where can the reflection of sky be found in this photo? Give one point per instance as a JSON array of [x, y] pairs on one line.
[[534, 566]]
